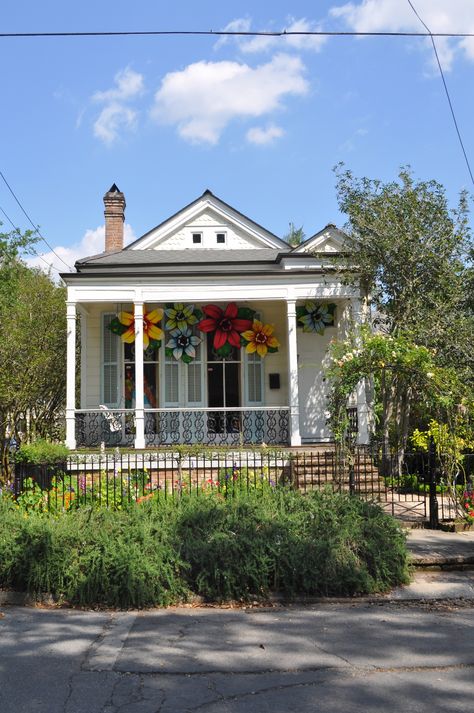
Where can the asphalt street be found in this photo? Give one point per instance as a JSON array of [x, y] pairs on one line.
[[344, 658]]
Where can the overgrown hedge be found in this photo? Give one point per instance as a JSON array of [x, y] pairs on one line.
[[164, 550]]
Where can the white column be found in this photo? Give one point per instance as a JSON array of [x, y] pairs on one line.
[[363, 409], [83, 332], [71, 375], [293, 398], [139, 385]]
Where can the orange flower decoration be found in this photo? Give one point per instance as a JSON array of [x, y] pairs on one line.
[[260, 339], [150, 331]]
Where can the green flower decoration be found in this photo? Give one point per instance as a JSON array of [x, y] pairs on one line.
[[316, 317], [181, 316]]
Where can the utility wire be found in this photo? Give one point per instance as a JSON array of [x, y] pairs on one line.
[[31, 222], [432, 36], [227, 33], [16, 229]]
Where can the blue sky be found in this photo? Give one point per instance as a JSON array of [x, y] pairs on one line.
[[260, 123]]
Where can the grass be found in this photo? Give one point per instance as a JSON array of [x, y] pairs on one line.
[[163, 551]]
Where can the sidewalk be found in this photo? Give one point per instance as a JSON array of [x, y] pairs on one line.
[[444, 566]]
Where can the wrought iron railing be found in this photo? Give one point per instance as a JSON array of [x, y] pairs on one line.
[[168, 427], [111, 427]]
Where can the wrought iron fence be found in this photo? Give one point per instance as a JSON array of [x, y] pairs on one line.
[[413, 488], [166, 427]]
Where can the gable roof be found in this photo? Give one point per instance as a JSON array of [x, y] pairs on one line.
[[330, 239], [152, 238]]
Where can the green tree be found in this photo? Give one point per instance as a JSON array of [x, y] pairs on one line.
[[410, 253], [32, 348], [294, 236]]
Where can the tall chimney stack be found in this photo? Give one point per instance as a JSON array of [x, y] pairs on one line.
[[114, 202]]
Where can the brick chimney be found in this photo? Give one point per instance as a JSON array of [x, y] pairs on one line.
[[114, 202]]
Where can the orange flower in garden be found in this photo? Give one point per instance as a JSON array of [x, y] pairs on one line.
[[260, 338], [150, 331]]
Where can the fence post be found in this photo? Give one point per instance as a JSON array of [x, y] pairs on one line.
[[351, 477], [434, 518]]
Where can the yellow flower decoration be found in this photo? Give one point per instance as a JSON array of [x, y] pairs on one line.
[[260, 339], [150, 331]]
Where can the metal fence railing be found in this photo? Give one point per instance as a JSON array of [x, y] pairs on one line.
[[410, 486]]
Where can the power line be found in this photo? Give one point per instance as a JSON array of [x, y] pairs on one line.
[[227, 33], [432, 36], [16, 229], [31, 222]]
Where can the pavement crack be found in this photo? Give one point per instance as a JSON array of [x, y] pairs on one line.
[[95, 642], [337, 656], [262, 691], [69, 691]]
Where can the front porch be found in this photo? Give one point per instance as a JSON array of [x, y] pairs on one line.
[[138, 394], [171, 427]]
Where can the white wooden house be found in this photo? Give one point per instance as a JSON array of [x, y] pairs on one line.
[[237, 324]]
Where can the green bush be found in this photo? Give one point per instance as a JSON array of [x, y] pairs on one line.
[[166, 548], [42, 452], [92, 557]]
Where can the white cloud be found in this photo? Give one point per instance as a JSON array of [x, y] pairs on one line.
[[241, 24], [263, 136], [112, 119], [395, 16], [129, 84], [92, 243], [204, 97], [351, 143], [265, 43], [117, 115]]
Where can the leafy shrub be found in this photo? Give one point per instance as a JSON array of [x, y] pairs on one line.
[[159, 551], [92, 557], [42, 452]]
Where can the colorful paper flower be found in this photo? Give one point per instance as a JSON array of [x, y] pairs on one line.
[[315, 317], [226, 325], [124, 325], [181, 316], [260, 339], [182, 344]]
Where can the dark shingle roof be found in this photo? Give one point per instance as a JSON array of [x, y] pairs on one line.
[[130, 258]]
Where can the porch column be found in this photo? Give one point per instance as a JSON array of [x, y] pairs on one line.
[[139, 385], [71, 375], [363, 409], [293, 398]]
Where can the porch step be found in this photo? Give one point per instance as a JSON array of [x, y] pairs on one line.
[[313, 470]]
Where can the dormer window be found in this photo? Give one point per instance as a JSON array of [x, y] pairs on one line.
[[220, 238], [197, 238]]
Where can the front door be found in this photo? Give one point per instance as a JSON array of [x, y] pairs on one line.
[[312, 385], [223, 391]]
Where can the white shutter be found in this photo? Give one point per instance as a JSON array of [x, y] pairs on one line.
[[194, 372], [110, 357], [254, 379], [171, 382]]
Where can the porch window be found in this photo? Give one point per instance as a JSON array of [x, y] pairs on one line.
[[182, 383], [150, 376], [110, 355]]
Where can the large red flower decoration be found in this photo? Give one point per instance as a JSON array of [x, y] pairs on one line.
[[225, 323]]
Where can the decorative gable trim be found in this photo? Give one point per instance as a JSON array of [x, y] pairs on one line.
[[191, 212], [329, 240]]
